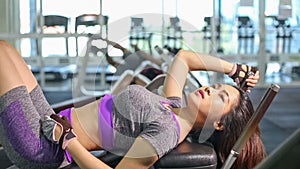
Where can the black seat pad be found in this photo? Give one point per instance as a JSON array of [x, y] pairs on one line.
[[186, 155]]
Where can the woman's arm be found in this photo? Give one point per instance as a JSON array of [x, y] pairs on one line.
[[186, 61], [83, 158], [140, 156], [63, 133], [199, 61]]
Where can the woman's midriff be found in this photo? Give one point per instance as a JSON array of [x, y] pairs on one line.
[[86, 125]]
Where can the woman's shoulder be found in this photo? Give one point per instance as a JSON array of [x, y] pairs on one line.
[[133, 92], [176, 102], [135, 89], [143, 94]]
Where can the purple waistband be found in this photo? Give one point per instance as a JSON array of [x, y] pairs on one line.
[[105, 122], [68, 113]]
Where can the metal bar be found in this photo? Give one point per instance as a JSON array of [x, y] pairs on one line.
[[262, 42], [213, 30], [41, 35], [251, 126]]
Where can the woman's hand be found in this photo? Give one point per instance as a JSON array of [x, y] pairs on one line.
[[58, 130], [244, 76], [67, 130], [251, 81]]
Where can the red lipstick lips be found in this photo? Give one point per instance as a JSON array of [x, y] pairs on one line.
[[201, 93]]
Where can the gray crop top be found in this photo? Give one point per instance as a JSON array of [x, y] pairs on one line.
[[139, 112]]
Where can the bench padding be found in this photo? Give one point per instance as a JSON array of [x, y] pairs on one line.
[[186, 155]]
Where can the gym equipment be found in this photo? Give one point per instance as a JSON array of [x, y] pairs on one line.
[[57, 24], [139, 34], [55, 73], [245, 34], [57, 21], [95, 29], [174, 33], [251, 125], [89, 21], [208, 35], [283, 33]]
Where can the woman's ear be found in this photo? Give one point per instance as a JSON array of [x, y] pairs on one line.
[[218, 125]]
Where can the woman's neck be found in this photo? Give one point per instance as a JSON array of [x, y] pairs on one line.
[[191, 116], [187, 120]]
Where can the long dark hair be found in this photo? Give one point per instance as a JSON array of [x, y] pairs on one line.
[[234, 123]]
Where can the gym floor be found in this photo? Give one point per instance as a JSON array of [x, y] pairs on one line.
[[280, 121]]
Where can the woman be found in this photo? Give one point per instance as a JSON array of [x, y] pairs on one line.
[[136, 123]]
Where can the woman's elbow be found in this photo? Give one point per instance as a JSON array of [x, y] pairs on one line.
[[149, 161], [137, 163], [184, 55], [181, 53]]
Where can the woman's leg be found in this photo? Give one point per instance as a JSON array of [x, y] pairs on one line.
[[10, 77], [19, 64], [19, 120], [38, 99]]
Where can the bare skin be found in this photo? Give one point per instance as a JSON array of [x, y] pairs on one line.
[[14, 70]]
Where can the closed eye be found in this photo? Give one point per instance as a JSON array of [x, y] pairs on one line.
[[224, 95]]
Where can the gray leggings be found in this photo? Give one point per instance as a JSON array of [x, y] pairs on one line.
[[20, 129]]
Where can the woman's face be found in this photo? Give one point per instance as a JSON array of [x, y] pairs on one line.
[[214, 101]]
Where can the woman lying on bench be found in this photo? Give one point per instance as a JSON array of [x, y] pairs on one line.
[[135, 123]]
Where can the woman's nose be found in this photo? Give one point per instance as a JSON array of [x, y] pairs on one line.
[[208, 90]]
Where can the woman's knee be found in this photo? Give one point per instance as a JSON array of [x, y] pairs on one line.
[[8, 49], [4, 44]]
